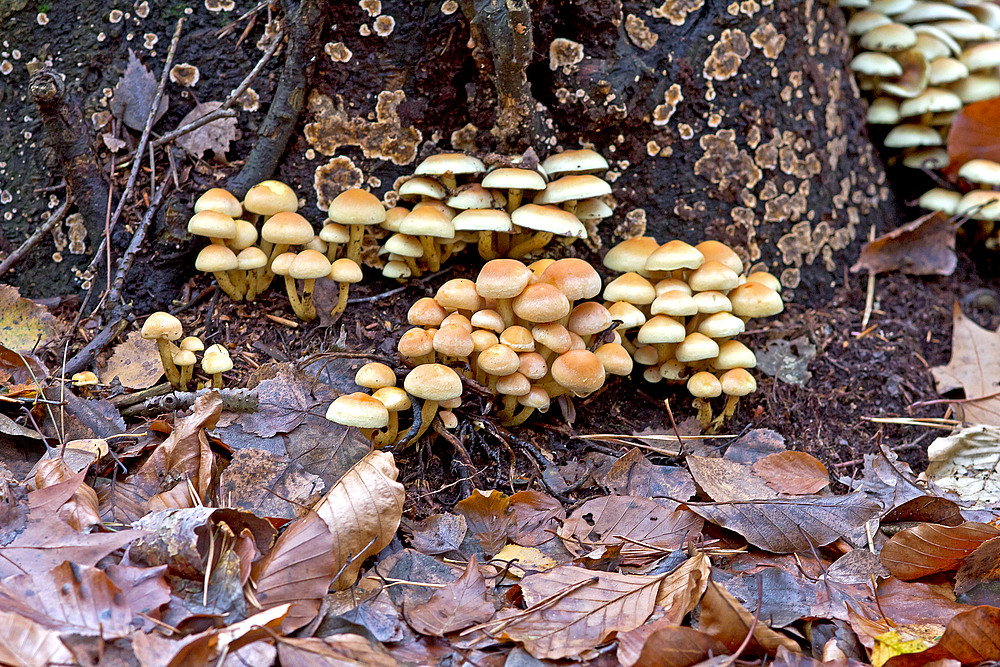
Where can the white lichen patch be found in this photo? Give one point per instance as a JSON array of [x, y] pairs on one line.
[[639, 32], [676, 11], [565, 54], [384, 138], [464, 138], [384, 25], [42, 18], [373, 7]]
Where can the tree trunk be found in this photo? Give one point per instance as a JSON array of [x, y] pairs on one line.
[[738, 122]]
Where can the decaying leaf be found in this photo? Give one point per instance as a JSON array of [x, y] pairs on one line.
[[928, 548], [970, 638], [634, 475], [489, 518], [571, 610], [979, 567], [725, 619], [23, 325], [724, 480], [975, 368], [30, 643], [459, 606], [215, 136], [284, 401], [439, 533], [641, 528], [793, 473], [537, 517], [674, 646], [346, 649], [968, 463], [134, 94], [974, 133], [135, 362], [787, 525], [269, 485], [923, 247]]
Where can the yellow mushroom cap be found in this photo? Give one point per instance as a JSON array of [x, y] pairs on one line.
[[309, 265], [271, 197], [433, 382], [220, 200], [393, 398], [375, 375], [356, 207], [579, 371], [359, 410], [346, 271], [212, 224], [216, 360], [704, 385], [162, 325], [287, 228], [738, 382]]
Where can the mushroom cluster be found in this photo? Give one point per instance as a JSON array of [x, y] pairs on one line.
[[920, 62], [288, 245], [179, 360], [981, 202], [679, 309], [507, 211]]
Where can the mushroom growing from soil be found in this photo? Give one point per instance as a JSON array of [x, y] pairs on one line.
[[308, 266], [433, 383], [356, 209], [163, 328], [215, 362]]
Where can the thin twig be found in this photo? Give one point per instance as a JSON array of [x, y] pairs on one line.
[[43, 229], [224, 110], [870, 292], [125, 263]]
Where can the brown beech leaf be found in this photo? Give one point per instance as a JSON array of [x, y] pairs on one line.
[[143, 588], [357, 518], [28, 643], [215, 136], [793, 473], [342, 650], [975, 368], [914, 602], [926, 509], [725, 619], [786, 658], [571, 610], [641, 528], [72, 598], [135, 362], [923, 247], [928, 548], [134, 94], [786, 525], [456, 607], [970, 637], [678, 647], [537, 517], [634, 475], [974, 133], [269, 485], [80, 510], [724, 480], [979, 567], [284, 401], [23, 324], [489, 517]]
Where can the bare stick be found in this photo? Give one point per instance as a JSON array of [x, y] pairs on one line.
[[43, 229]]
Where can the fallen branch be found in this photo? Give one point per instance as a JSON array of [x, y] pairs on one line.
[[43, 229]]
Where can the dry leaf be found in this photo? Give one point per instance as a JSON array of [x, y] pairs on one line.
[[283, 402], [974, 133], [439, 534], [928, 548], [456, 607], [724, 480], [537, 517], [787, 525], [80, 511], [641, 528], [923, 247], [975, 368], [967, 463], [725, 619], [29, 644], [677, 647], [571, 610], [135, 362], [215, 136], [23, 325], [793, 473], [269, 485], [338, 650], [489, 517], [971, 637], [134, 94], [634, 475], [979, 567]]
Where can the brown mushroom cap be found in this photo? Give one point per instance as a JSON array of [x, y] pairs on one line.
[[553, 336], [359, 410], [345, 271], [356, 207], [502, 279], [453, 340], [661, 329], [578, 371], [375, 375], [282, 263], [270, 197], [631, 254], [216, 258], [459, 294], [753, 299], [251, 258], [309, 265], [588, 318], [490, 320], [433, 382], [162, 325], [335, 233], [414, 343], [287, 228], [696, 347], [576, 278], [421, 186], [721, 325], [674, 255], [630, 287], [720, 252], [532, 365], [541, 302], [615, 359], [498, 360], [734, 354], [713, 275], [514, 384], [738, 382], [393, 398], [426, 312], [212, 224], [219, 200], [550, 219], [449, 163], [427, 221], [704, 385]]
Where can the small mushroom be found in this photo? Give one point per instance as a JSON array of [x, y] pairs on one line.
[[345, 272], [433, 383], [215, 362], [308, 266], [163, 328]]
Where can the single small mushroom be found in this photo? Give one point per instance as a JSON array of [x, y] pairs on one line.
[[308, 266], [219, 200], [542, 222], [515, 181], [163, 328], [215, 362], [270, 197], [345, 272], [433, 383], [395, 401], [703, 385], [219, 260], [360, 410], [185, 361], [356, 209], [447, 166], [218, 227], [334, 235], [429, 224]]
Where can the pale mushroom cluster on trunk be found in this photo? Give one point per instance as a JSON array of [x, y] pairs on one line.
[[504, 210]]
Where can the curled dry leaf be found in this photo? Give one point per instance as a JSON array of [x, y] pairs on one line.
[[923, 247], [975, 368], [971, 637], [926, 509], [80, 511], [489, 517], [974, 133], [537, 517], [641, 528], [135, 362], [456, 607], [678, 647], [725, 619], [787, 525], [134, 94], [345, 649], [571, 610], [31, 644], [928, 548], [980, 567], [215, 136], [792, 473]]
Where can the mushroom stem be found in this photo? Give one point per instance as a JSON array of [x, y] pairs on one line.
[[431, 255], [369, 434], [293, 297], [308, 309], [509, 405], [415, 270], [505, 307], [704, 412], [227, 285], [331, 251], [354, 244], [727, 412], [186, 373], [520, 417], [388, 436], [486, 245], [239, 280], [166, 358], [338, 310], [514, 196], [537, 241], [427, 413], [217, 381], [570, 206]]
